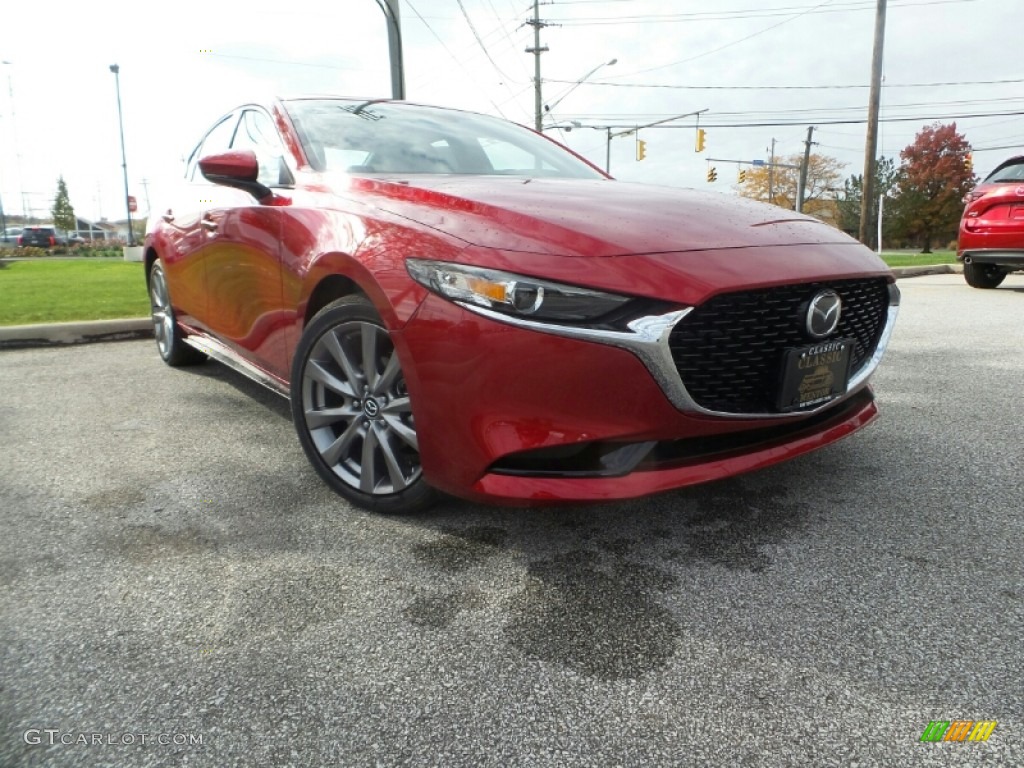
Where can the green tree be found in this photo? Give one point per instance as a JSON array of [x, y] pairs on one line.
[[934, 177], [886, 176], [63, 213]]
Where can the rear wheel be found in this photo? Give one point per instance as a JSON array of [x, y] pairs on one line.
[[170, 342], [983, 275], [352, 411]]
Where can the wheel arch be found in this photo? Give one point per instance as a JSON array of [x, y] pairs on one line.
[[148, 258], [381, 278], [330, 288]]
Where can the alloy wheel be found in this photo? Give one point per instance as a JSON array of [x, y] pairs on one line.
[[356, 409], [163, 315]]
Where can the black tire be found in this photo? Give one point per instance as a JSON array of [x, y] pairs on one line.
[[352, 411], [983, 275], [170, 341]]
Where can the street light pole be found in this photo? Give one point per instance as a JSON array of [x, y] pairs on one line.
[[391, 13], [574, 86], [124, 159], [14, 139]]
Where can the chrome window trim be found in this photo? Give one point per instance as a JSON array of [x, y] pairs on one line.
[[648, 339]]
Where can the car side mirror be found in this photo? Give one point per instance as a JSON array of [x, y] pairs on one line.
[[236, 168]]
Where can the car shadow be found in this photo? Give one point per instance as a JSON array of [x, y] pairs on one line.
[[270, 400]]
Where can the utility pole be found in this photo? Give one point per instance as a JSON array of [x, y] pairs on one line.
[[771, 175], [537, 50], [802, 186], [871, 142]]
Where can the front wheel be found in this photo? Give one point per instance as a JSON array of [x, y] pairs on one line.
[[352, 411], [983, 275]]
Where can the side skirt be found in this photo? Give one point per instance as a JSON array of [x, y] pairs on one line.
[[224, 354]]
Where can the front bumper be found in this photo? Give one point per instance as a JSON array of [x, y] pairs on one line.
[[487, 394]]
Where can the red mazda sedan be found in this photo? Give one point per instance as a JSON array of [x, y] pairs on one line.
[[991, 243], [455, 303]]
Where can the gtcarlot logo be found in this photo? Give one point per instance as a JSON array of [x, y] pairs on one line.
[[54, 736], [959, 730]]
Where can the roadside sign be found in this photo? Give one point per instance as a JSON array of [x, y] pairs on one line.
[[132, 205]]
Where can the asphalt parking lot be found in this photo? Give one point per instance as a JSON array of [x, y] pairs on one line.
[[178, 588]]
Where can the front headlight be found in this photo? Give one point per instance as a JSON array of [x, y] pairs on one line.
[[511, 293]]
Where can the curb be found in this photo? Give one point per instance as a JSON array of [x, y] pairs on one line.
[[935, 269], [62, 334]]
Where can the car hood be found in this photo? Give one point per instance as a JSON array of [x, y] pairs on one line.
[[589, 217]]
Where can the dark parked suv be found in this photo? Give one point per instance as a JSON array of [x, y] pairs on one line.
[[45, 236]]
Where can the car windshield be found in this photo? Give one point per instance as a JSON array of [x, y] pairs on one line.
[[1013, 173], [389, 137]]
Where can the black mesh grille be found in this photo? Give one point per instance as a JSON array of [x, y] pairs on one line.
[[729, 350]]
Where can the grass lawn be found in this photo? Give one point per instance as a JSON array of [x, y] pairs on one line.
[[68, 290], [918, 259], [102, 289]]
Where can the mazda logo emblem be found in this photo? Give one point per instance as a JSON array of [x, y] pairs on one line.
[[370, 408], [823, 314]]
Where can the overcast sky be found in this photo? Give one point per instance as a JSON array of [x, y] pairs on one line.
[[749, 63]]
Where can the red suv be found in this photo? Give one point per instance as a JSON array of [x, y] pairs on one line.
[[991, 241]]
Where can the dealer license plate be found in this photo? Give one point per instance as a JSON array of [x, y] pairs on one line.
[[814, 375]]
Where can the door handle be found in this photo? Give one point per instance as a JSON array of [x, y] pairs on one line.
[[209, 225]]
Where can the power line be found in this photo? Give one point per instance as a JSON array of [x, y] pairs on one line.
[[835, 112], [1004, 146], [629, 121], [788, 87], [724, 15], [449, 51], [480, 42], [730, 44]]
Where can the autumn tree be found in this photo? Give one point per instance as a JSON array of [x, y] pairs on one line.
[[934, 177], [779, 184], [62, 212]]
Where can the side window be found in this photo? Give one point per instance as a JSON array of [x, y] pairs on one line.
[[256, 132], [218, 139]]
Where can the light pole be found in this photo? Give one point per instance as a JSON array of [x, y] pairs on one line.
[[577, 84], [14, 141], [124, 160], [391, 13]]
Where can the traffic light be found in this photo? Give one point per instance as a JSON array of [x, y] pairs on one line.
[[712, 174], [969, 162], [700, 140], [743, 175], [641, 149]]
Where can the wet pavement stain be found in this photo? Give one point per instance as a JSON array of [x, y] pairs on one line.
[[439, 611], [144, 543], [733, 525], [600, 624], [459, 549], [117, 498], [289, 600]]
